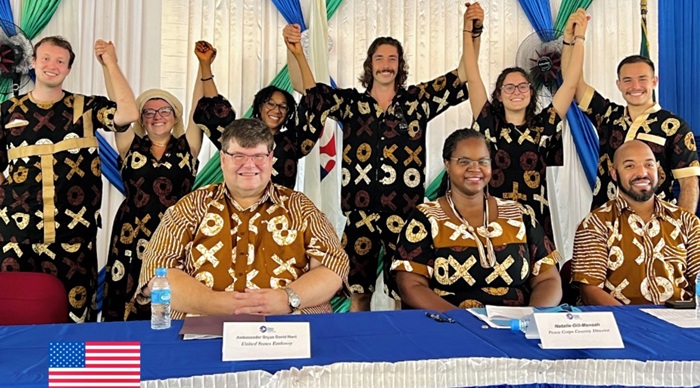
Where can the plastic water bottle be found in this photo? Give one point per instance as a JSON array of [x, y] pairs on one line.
[[697, 296], [521, 324], [160, 301]]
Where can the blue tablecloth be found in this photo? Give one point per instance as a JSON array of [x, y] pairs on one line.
[[353, 337]]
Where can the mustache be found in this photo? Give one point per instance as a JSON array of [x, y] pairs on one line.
[[383, 70], [640, 179]]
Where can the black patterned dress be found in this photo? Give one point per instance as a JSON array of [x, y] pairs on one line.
[[50, 199], [151, 187], [520, 156]]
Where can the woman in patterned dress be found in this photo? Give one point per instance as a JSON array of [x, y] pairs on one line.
[[524, 142], [158, 164], [468, 248]]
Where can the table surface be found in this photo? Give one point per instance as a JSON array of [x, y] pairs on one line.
[[352, 337]]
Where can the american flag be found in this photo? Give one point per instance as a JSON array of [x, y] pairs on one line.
[[94, 364]]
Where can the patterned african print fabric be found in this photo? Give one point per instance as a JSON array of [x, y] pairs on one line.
[[634, 261], [291, 144], [383, 169], [50, 201], [151, 187], [445, 251], [668, 136], [268, 245], [520, 156]]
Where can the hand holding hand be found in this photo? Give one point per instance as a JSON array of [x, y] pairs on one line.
[[105, 52], [473, 16], [292, 38]]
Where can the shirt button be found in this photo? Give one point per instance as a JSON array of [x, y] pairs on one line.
[[383, 137]]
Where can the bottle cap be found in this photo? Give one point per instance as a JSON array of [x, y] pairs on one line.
[[515, 324], [161, 271]]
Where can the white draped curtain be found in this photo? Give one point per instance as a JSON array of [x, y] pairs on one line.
[[155, 43]]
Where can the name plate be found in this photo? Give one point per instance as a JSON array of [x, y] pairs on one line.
[[266, 341], [584, 330]]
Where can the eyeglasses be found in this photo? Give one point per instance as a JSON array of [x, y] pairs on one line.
[[522, 87], [272, 105], [240, 159], [149, 113], [464, 162]]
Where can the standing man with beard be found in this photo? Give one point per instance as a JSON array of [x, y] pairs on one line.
[[668, 136], [383, 169], [636, 248]]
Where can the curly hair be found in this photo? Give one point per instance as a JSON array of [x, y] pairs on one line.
[[449, 147], [265, 94], [530, 111], [367, 78]]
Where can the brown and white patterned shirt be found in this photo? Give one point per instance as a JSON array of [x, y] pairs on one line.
[[634, 261], [268, 245]]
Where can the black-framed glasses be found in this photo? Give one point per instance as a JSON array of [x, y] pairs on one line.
[[149, 113], [522, 87], [272, 105], [240, 159], [464, 162]]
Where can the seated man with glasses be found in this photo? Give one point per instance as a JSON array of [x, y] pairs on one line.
[[246, 246]]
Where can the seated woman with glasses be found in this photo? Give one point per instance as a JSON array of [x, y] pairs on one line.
[[524, 142], [158, 165], [469, 249], [294, 136]]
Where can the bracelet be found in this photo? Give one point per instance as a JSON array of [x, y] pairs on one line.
[[580, 37], [207, 79], [478, 34], [479, 28], [469, 31], [567, 43]]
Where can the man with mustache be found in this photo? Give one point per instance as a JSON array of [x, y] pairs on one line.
[[636, 248], [668, 136], [383, 169]]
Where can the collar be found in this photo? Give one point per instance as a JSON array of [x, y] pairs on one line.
[[652, 109], [660, 209], [271, 194]]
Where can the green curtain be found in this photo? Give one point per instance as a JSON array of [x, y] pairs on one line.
[[36, 14], [211, 172], [567, 8]]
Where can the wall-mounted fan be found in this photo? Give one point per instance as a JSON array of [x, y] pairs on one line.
[[540, 55], [15, 58]]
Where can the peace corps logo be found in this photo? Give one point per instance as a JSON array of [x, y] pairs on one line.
[[263, 329], [569, 316]]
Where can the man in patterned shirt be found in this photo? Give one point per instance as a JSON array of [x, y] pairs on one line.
[[668, 136], [50, 199], [383, 168], [636, 248], [246, 246]]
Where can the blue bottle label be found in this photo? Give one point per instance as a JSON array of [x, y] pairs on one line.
[[160, 296]]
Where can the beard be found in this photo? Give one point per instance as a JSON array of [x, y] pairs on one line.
[[638, 196]]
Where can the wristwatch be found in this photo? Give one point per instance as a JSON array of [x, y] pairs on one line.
[[294, 300]]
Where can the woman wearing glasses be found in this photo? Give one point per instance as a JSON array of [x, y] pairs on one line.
[[523, 141], [158, 165], [294, 136], [468, 248]]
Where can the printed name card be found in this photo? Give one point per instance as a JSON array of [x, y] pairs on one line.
[[266, 340], [583, 330]]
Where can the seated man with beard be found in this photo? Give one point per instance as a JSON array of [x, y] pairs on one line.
[[636, 248]]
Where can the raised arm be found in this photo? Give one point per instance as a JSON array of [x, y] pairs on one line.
[[122, 139], [572, 61], [205, 52], [570, 37], [208, 53], [473, 21], [118, 88], [292, 38], [292, 35]]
